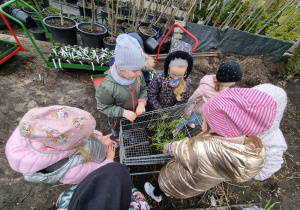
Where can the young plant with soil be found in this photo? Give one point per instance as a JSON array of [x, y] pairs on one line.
[[160, 132]]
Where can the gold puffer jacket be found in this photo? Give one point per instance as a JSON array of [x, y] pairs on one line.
[[204, 161]]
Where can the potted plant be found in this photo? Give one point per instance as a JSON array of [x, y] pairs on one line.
[[92, 34], [62, 29], [148, 31], [51, 10], [85, 8]]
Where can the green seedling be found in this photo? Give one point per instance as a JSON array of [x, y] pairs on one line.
[[163, 131]]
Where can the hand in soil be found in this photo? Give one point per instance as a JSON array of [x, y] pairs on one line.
[[166, 149], [140, 109], [108, 142], [129, 115], [111, 150]]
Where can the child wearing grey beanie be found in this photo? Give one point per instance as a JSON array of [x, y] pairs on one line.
[[123, 93]]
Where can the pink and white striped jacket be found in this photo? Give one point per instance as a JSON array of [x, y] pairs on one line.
[[24, 160], [207, 89]]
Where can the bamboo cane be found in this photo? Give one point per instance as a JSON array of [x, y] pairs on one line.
[[279, 12], [130, 8], [253, 4], [139, 14], [152, 21], [211, 13], [189, 11], [61, 13], [284, 22], [147, 10], [160, 17], [294, 27], [68, 11], [133, 13], [258, 15], [234, 15], [116, 17], [93, 15], [50, 3], [230, 15]]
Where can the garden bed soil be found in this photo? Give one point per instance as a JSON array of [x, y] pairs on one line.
[[24, 89], [4, 47], [97, 29], [57, 23]]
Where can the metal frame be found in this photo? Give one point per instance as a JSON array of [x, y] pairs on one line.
[[48, 63], [17, 46], [135, 145]]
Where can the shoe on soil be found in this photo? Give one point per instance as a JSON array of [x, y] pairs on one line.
[[192, 125], [175, 132], [149, 190]]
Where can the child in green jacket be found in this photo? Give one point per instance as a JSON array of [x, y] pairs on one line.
[[123, 93]]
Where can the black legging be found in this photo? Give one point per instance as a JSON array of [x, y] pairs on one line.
[[157, 191]]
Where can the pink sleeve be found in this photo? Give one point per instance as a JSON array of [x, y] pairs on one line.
[[197, 93], [76, 174]]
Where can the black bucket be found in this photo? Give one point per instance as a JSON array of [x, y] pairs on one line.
[[108, 45], [38, 33], [146, 36], [88, 11], [90, 39], [21, 16], [62, 35], [151, 45], [37, 20]]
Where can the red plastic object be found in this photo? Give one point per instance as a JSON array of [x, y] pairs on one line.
[[97, 82], [196, 40], [16, 50]]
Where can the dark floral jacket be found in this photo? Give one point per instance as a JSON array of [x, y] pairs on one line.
[[161, 95]]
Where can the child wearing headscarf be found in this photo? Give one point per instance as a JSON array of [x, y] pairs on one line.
[[227, 75], [123, 93], [172, 85], [228, 149], [58, 143]]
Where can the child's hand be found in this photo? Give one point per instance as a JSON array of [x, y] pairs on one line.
[[140, 109], [107, 141], [129, 115], [166, 148], [111, 152]]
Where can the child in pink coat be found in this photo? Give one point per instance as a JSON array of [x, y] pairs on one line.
[[210, 85], [58, 143]]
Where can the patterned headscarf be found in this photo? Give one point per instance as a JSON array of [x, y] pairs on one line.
[[59, 127]]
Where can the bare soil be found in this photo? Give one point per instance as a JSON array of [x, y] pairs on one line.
[[26, 82], [144, 30], [97, 29], [57, 23]]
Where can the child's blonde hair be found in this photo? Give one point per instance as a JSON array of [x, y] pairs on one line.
[[85, 154], [181, 88]]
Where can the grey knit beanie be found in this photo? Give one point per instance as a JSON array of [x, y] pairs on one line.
[[128, 53]]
